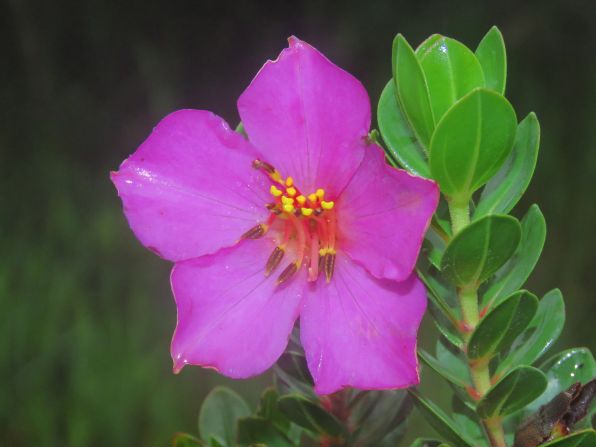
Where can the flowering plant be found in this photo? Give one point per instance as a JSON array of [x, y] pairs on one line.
[[296, 244]]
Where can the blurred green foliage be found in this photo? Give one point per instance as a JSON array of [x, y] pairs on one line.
[[85, 312]]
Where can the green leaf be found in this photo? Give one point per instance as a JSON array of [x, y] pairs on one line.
[[253, 430], [467, 421], [402, 145], [309, 415], [471, 142], [447, 364], [426, 442], [451, 71], [505, 189], [513, 392], [439, 421], [215, 442], [493, 60], [377, 417], [516, 271], [412, 91], [563, 370], [444, 316], [219, 413], [269, 410], [584, 438], [480, 249], [501, 326], [186, 440], [543, 331]]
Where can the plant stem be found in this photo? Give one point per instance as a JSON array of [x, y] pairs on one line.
[[496, 435], [460, 215], [468, 301]]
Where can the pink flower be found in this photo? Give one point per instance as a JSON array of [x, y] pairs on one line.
[[303, 219]]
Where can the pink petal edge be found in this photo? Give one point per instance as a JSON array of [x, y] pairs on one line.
[[230, 316], [305, 114], [189, 189], [360, 331], [383, 215]]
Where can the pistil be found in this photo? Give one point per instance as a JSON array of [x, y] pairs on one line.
[[309, 220]]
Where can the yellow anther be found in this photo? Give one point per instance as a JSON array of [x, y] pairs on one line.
[[276, 177], [301, 199], [322, 252], [289, 181], [275, 191], [306, 211], [312, 198], [291, 191], [327, 205], [320, 193], [287, 200], [289, 208]]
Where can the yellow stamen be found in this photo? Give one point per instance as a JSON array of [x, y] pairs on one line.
[[320, 193], [289, 208], [301, 199], [306, 211], [312, 198], [287, 200], [276, 177], [327, 205], [291, 191], [275, 191], [322, 252], [289, 181]]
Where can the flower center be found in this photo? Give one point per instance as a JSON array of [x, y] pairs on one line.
[[308, 220]]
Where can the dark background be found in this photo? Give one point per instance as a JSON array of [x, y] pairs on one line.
[[86, 313]]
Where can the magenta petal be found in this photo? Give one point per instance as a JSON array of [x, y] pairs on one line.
[[189, 189], [359, 331], [383, 216], [230, 317], [304, 114]]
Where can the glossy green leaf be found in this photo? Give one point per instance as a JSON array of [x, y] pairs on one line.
[[253, 430], [412, 91], [515, 272], [542, 332], [427, 442], [493, 60], [563, 370], [186, 440], [269, 410], [451, 71], [467, 421], [439, 421], [513, 392], [219, 413], [584, 438], [502, 325], [402, 145], [505, 189], [447, 363], [480, 249], [377, 417], [471, 142], [309, 415], [440, 368], [445, 317]]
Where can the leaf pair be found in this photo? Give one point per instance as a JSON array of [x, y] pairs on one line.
[[445, 103]]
